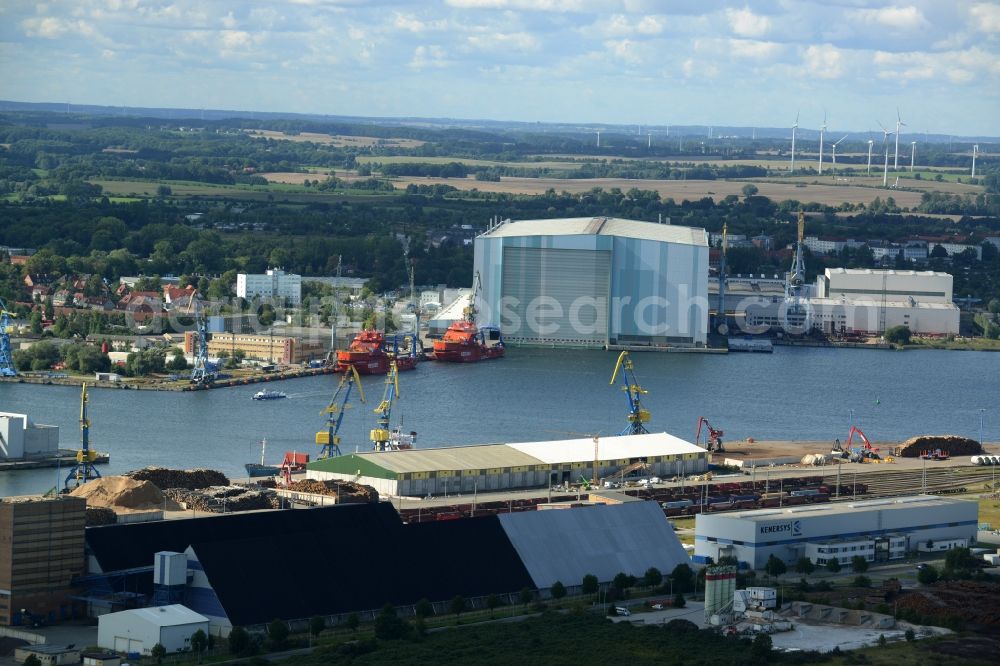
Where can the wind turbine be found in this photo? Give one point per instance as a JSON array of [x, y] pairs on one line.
[[975, 151], [822, 129], [885, 142], [870, 143], [899, 123], [913, 154], [791, 169], [598, 138], [835, 152]]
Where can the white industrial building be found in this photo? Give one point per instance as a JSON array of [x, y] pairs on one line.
[[20, 438], [492, 467], [275, 283], [591, 282], [859, 301], [139, 629], [879, 530], [923, 286]]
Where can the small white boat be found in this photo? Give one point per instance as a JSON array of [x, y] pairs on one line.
[[269, 395]]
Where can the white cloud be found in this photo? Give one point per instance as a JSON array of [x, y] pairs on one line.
[[620, 25], [745, 23], [428, 56], [537, 5], [900, 18], [503, 42], [986, 17], [623, 49], [411, 23], [824, 61], [751, 48], [958, 67], [229, 21], [698, 69]]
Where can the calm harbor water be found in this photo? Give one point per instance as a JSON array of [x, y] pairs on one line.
[[535, 394]]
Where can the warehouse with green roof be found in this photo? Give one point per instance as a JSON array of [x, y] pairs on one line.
[[496, 467]]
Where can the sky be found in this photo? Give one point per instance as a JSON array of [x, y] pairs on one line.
[[648, 62]]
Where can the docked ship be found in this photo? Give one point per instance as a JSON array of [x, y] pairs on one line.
[[269, 395], [465, 341], [293, 462], [370, 354]]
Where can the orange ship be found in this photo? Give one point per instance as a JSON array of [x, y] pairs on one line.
[[464, 341], [368, 354]]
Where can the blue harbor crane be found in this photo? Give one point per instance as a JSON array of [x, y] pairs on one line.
[[7, 368], [329, 439], [637, 414], [382, 438], [204, 371], [84, 470]]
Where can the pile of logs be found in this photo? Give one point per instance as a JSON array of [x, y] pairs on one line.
[[347, 492], [223, 499], [100, 516]]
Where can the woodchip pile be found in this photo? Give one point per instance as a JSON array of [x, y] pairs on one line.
[[914, 447], [121, 493], [192, 479]]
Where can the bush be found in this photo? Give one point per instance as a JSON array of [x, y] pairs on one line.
[[389, 626], [761, 647], [526, 595], [927, 575], [199, 640], [683, 578], [589, 584], [833, 565], [805, 566], [457, 606], [679, 601], [424, 608], [316, 625], [652, 577], [277, 634], [353, 621], [899, 335], [859, 564], [620, 581], [558, 590], [862, 581], [910, 636], [157, 652], [239, 642], [492, 602], [32, 660], [774, 566]]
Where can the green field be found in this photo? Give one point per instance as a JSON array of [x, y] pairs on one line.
[[140, 189]]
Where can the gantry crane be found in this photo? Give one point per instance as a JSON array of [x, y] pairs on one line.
[[329, 439], [204, 371], [84, 470], [713, 437], [720, 314], [382, 438], [637, 415], [7, 368], [797, 315]]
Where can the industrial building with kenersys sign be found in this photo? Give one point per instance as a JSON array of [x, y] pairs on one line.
[[878, 530]]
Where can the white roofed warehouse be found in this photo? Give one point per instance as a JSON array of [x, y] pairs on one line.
[[139, 629], [491, 467], [594, 281]]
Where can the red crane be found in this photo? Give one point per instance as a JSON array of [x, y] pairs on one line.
[[713, 437]]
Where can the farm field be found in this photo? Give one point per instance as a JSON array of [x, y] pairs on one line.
[[415, 159], [876, 182], [338, 140], [679, 190], [278, 191]]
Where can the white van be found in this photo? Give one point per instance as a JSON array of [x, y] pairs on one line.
[[621, 610]]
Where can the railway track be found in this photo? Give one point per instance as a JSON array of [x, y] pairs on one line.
[[914, 481]]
